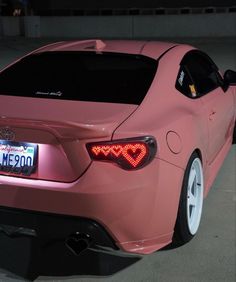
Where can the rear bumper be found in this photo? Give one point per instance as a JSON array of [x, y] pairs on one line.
[[51, 227], [137, 209]]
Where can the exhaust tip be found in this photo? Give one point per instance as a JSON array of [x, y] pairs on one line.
[[78, 242]]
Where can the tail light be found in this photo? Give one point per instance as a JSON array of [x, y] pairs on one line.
[[129, 154]]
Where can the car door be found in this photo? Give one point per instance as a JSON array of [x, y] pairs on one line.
[[217, 104]]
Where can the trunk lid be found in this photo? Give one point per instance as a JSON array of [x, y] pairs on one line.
[[60, 129]]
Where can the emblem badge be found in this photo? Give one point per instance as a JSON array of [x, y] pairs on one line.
[[7, 134]]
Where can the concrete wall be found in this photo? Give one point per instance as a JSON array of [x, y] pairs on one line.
[[90, 26], [32, 27], [191, 25], [204, 25], [10, 26]]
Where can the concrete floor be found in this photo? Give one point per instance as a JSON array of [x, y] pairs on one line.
[[211, 255]]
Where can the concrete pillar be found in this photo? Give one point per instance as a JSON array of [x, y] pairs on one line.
[[32, 28]]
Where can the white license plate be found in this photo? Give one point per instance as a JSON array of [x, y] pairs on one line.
[[15, 156]]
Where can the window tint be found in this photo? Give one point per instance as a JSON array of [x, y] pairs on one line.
[[203, 72], [185, 84], [81, 76]]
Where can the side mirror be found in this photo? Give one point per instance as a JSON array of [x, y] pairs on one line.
[[229, 79]]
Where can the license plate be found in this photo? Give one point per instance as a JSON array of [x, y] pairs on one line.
[[18, 158]]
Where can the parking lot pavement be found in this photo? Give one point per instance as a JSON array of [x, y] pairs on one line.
[[211, 255]]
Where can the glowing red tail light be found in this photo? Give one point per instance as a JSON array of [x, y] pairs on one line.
[[133, 153]]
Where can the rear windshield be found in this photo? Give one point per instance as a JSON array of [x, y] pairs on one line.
[[80, 76]]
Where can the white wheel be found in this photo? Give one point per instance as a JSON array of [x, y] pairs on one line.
[[191, 202], [195, 196]]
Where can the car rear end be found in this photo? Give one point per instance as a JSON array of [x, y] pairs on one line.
[[63, 176]]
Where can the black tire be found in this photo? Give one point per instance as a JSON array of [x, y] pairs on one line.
[[182, 233], [234, 135]]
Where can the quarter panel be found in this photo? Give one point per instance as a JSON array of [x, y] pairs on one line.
[[164, 109]]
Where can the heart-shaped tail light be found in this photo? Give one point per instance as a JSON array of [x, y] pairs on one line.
[[132, 153]]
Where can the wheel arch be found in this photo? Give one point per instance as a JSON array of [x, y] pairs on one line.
[[199, 153]]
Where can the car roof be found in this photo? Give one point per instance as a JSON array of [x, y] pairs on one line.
[[152, 49]]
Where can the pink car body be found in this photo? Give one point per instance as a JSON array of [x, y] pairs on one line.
[[137, 208]]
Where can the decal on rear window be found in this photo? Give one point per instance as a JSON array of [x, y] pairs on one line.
[[193, 90], [181, 78], [57, 93]]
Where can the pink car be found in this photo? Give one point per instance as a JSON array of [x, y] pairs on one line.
[[112, 144]]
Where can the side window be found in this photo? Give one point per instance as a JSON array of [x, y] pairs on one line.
[[203, 72], [184, 83]]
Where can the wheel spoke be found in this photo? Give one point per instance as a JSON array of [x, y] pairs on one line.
[[192, 195], [191, 180], [192, 200]]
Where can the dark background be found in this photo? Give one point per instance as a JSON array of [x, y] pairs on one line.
[[46, 7]]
